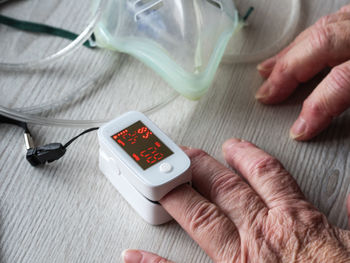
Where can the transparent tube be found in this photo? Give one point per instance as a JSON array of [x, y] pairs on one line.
[[33, 119], [76, 92], [74, 45], [277, 45], [27, 114]]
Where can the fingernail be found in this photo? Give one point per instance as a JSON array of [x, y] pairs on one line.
[[298, 129], [229, 144], [267, 65], [132, 256], [264, 91]]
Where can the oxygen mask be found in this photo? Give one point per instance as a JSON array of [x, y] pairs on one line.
[[183, 41]]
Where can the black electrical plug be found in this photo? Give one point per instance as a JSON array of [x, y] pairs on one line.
[[48, 153], [42, 154]]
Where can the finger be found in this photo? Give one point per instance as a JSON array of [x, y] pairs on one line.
[[323, 46], [345, 9], [266, 67], [263, 172], [327, 101], [204, 222], [226, 189], [140, 256]]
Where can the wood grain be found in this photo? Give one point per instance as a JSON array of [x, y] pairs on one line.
[[69, 212]]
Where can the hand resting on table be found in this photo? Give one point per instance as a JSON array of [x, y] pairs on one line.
[[325, 44], [262, 217]]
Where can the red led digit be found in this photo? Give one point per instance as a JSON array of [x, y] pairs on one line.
[[141, 144], [142, 130], [160, 156], [136, 157], [131, 138], [149, 155], [145, 136], [143, 154], [145, 131], [154, 158], [121, 142], [151, 161]]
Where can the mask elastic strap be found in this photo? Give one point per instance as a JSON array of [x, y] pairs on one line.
[[44, 29], [247, 14]]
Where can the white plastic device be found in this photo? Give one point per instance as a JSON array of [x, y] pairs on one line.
[[142, 163]]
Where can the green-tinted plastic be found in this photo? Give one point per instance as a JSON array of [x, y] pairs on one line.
[[187, 59]]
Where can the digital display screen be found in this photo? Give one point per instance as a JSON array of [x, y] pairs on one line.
[[142, 145]]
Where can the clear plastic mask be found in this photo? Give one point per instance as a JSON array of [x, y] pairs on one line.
[[182, 40]]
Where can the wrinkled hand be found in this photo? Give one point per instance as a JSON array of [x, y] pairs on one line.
[[325, 44], [261, 218]]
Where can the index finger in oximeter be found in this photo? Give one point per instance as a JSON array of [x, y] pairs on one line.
[[142, 162]]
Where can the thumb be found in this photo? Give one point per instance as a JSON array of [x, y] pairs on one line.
[[140, 256]]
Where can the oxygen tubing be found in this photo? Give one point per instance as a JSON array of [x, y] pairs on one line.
[[27, 114], [73, 46], [33, 119], [23, 115]]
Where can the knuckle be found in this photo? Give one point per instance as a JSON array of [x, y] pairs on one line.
[[323, 21], [264, 165], [281, 67], [315, 108], [344, 9], [321, 38], [224, 183], [339, 79], [252, 205], [311, 218], [318, 108], [336, 97], [283, 70], [199, 159], [198, 154], [201, 216]]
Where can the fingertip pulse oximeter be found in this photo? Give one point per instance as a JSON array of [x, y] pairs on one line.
[[142, 163]]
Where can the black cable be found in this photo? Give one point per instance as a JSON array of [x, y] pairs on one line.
[[21, 124], [76, 137], [42, 154]]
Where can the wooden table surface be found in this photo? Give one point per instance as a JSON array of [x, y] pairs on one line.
[[69, 212]]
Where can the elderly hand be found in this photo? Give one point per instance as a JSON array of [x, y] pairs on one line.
[[262, 217], [325, 44]]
